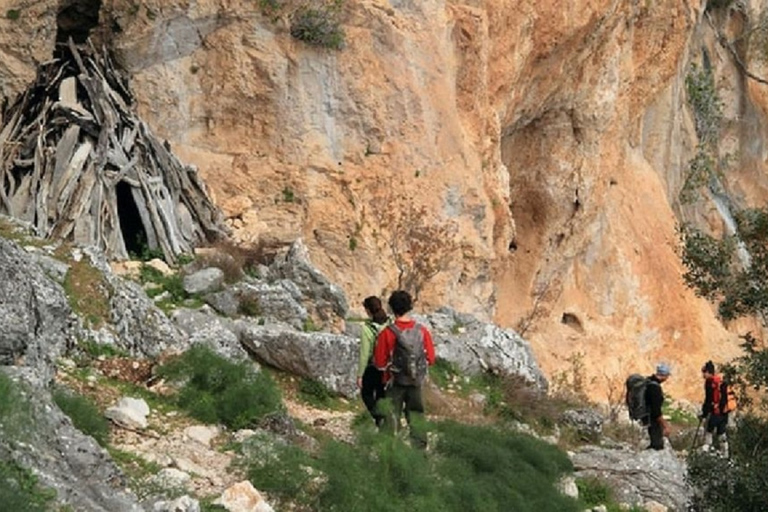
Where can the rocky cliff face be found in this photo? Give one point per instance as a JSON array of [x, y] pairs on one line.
[[554, 136]]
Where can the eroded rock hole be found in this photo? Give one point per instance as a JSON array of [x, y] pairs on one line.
[[134, 235], [76, 19], [572, 321]]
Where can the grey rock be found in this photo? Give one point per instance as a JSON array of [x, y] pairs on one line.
[[36, 321], [182, 504], [62, 457], [636, 477], [325, 357], [476, 346], [55, 269], [587, 422], [320, 297], [204, 327], [204, 281], [129, 413], [279, 300], [140, 328]]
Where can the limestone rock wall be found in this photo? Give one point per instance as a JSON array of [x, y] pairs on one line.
[[555, 135]]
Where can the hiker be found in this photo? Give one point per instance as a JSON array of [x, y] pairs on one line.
[[369, 378], [714, 409], [403, 351], [658, 428]]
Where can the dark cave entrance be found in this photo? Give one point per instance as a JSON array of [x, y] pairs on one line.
[[134, 235], [76, 19]]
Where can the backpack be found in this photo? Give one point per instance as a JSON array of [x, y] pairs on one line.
[[409, 361], [723, 396], [636, 386]]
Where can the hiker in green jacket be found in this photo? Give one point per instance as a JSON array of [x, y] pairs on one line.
[[369, 378]]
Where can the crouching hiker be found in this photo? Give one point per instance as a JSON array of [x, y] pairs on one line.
[[369, 378], [403, 351]]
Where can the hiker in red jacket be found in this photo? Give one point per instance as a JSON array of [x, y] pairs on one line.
[[714, 408], [403, 351]]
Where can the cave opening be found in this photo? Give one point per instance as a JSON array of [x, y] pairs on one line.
[[76, 19], [134, 235]]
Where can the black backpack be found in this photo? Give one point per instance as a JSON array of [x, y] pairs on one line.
[[409, 360], [636, 386]]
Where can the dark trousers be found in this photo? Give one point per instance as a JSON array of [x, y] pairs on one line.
[[716, 423], [656, 433], [372, 391], [407, 400]]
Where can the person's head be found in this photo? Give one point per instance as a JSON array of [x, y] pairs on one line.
[[708, 370], [400, 302], [374, 309], [662, 371]]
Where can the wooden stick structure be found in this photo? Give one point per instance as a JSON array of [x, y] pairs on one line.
[[77, 163]]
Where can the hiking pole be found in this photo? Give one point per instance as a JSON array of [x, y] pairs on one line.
[[696, 435]]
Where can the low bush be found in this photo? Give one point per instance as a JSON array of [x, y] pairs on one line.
[[315, 393], [594, 492], [318, 26], [215, 390], [737, 483], [468, 468], [84, 414]]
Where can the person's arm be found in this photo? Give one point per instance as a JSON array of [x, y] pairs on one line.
[[366, 347], [429, 347]]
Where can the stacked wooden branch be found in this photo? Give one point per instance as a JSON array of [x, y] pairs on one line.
[[71, 138]]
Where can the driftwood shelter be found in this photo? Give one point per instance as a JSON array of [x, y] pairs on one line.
[[77, 163]]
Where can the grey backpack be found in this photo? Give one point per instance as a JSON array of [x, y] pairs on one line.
[[409, 361]]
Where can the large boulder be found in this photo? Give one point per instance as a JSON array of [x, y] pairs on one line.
[[636, 477], [36, 322], [280, 300], [476, 346], [328, 358], [204, 327], [61, 457]]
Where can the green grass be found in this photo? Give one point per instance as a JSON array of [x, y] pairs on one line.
[[88, 293], [13, 14], [173, 284], [594, 492], [84, 414], [467, 468], [315, 393], [15, 412], [21, 491], [215, 390]]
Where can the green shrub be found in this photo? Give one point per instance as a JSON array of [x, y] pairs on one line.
[[738, 483], [469, 468], [443, 372], [315, 393], [216, 390], [13, 14], [318, 26], [20, 490], [84, 414]]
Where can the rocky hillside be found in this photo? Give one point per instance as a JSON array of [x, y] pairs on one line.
[[219, 385], [546, 143]]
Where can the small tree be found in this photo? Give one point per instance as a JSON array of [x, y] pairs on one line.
[[740, 287], [420, 245]]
